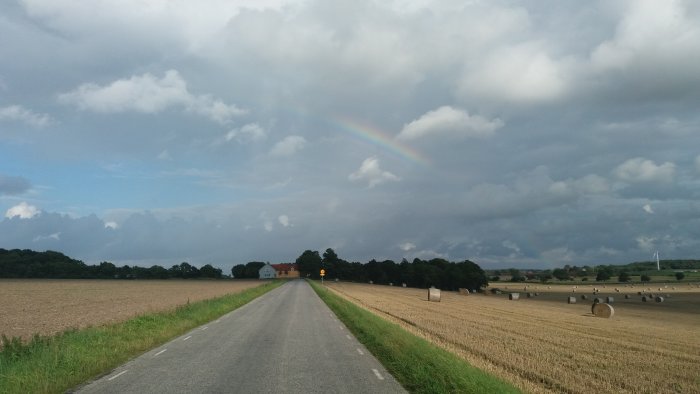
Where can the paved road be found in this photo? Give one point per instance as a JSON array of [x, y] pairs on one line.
[[286, 341]]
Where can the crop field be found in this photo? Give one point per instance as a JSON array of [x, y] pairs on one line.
[[47, 307], [544, 345]]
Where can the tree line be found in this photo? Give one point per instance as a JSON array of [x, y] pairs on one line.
[[26, 263], [419, 273]]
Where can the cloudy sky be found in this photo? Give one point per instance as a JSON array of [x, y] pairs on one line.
[[510, 133]]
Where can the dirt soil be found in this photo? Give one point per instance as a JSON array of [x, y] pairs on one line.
[[47, 307], [544, 345]]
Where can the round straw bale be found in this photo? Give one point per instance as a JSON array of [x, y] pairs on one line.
[[434, 294], [584, 297], [571, 300], [603, 310], [597, 300], [645, 299], [403, 285], [463, 291], [659, 299], [627, 296], [536, 294], [529, 295], [391, 283], [639, 293], [371, 282], [609, 300], [514, 296]]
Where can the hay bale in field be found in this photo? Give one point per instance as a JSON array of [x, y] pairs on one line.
[[571, 300], [597, 300], [659, 299], [403, 285], [603, 310], [514, 296], [639, 293], [609, 300], [434, 294], [537, 294], [529, 295], [627, 296], [371, 282], [645, 299], [463, 291], [584, 297]]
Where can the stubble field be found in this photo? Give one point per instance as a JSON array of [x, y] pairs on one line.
[[544, 345], [47, 307]]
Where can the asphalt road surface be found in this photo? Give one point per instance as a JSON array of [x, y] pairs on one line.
[[286, 341]]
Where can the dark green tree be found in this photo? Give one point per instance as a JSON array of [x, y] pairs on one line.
[[561, 274], [208, 271], [252, 269], [309, 264], [645, 278], [680, 276], [238, 271], [623, 277]]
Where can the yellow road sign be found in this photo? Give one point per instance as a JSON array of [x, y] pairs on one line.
[[323, 272]]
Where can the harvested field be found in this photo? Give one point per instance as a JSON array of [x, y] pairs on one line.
[[47, 307], [544, 345]]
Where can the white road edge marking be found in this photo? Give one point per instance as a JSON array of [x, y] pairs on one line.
[[379, 376], [341, 327], [160, 352], [218, 321], [360, 351], [118, 375], [187, 338], [348, 336], [204, 328]]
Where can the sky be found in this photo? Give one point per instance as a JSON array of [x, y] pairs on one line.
[[527, 134]]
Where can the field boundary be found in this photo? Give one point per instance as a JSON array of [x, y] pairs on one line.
[[54, 364], [417, 364]]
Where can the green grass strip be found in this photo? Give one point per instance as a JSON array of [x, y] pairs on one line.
[[58, 363], [417, 364]]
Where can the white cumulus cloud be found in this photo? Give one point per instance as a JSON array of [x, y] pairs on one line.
[[407, 246], [251, 132], [370, 172], [284, 220], [112, 225], [520, 73], [644, 170], [21, 114], [288, 146], [23, 211], [647, 208], [451, 121], [149, 94]]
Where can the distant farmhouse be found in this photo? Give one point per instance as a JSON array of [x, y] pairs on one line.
[[284, 271]]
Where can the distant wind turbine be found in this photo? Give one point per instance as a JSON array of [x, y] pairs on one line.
[[656, 256]]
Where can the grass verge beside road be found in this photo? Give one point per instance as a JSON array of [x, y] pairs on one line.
[[418, 365], [58, 363]]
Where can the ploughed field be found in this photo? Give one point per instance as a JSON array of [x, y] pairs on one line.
[[544, 345], [47, 306]]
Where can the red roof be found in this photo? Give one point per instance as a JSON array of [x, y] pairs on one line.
[[285, 267]]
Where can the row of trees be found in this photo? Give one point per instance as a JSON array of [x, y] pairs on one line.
[[600, 273], [436, 272], [30, 264]]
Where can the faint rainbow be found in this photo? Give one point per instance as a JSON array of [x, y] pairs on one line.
[[377, 137]]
